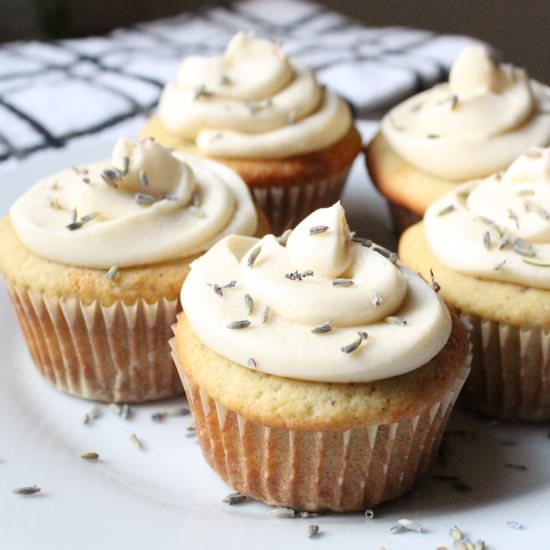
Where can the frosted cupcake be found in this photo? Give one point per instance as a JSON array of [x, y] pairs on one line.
[[488, 244], [470, 127], [267, 117], [324, 377], [94, 258]]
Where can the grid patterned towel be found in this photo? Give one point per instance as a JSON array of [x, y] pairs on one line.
[[57, 92]]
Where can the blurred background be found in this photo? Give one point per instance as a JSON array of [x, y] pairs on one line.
[[518, 29]]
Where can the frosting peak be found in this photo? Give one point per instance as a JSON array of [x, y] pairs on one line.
[[145, 167], [252, 102], [350, 287], [149, 205], [531, 167], [328, 254], [475, 73], [365, 319], [473, 125], [250, 69]]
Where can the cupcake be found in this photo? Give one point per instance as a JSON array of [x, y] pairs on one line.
[[488, 244], [94, 258], [470, 127], [322, 376], [266, 117]]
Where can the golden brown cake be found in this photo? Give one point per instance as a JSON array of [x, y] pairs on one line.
[[409, 191], [300, 400], [267, 118], [96, 294]]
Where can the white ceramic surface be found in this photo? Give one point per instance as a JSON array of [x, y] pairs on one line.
[[166, 497]]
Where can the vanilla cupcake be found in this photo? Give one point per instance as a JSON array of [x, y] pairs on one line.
[[322, 376], [488, 244], [470, 127], [94, 258], [267, 117]]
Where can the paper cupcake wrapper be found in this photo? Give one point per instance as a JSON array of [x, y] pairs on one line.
[[316, 470], [510, 376], [118, 353], [402, 218], [287, 205]]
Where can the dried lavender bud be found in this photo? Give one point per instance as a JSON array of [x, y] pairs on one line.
[[322, 329], [244, 323]]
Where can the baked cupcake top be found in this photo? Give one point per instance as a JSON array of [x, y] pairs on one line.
[[253, 102], [147, 205], [497, 228], [475, 124], [314, 304]]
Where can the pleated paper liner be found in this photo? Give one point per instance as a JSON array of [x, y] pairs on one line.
[[287, 205], [315, 470], [402, 218], [510, 376], [118, 353]]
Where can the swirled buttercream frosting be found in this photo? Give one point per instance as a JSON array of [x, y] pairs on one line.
[[252, 102], [147, 205], [314, 305], [497, 228], [475, 124]]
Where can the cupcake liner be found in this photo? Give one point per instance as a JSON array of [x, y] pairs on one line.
[[402, 218], [287, 205], [510, 376], [118, 353], [319, 470]]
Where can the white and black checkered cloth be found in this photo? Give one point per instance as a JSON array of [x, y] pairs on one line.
[[52, 93]]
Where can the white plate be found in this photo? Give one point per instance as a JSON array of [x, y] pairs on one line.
[[166, 497]]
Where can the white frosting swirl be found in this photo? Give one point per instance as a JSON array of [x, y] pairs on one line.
[[474, 125], [498, 228], [252, 102], [326, 295], [149, 205]]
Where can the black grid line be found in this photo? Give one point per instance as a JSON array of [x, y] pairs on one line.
[[359, 45]]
